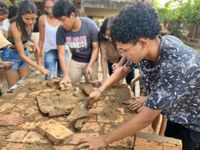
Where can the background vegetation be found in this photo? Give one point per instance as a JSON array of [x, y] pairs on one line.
[[180, 15]]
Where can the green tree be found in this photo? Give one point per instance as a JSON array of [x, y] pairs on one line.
[[10, 2], [180, 15]]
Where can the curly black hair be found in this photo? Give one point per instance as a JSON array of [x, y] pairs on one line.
[[135, 21]]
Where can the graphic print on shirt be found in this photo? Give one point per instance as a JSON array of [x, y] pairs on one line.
[[77, 43]]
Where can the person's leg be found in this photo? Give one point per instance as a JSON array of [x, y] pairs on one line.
[[76, 70], [129, 77], [190, 138], [24, 72], [1, 81], [163, 126], [12, 77], [23, 69], [110, 70], [50, 59], [155, 124]]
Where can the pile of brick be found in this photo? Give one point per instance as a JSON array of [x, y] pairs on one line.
[[43, 131]]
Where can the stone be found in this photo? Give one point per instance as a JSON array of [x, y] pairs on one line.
[[146, 141], [34, 137], [77, 113], [57, 103], [6, 106], [17, 136], [55, 132]]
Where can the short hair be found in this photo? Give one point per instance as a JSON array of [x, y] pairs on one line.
[[3, 8], [135, 21], [63, 8]]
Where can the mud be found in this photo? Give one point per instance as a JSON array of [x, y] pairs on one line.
[[37, 100]]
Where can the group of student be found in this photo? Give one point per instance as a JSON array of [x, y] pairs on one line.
[[169, 69]]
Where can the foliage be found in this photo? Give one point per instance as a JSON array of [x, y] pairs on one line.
[[180, 14], [10, 2]]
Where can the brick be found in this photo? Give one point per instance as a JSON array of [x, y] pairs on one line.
[[146, 141], [35, 93], [92, 118], [103, 103], [107, 128], [55, 132], [49, 90], [21, 106], [31, 111], [68, 147], [126, 143], [30, 125], [104, 119], [17, 136], [15, 146], [121, 110], [91, 126], [79, 137], [96, 110], [6, 106], [34, 137], [148, 129], [21, 96]]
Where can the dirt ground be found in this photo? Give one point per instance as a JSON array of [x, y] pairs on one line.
[[37, 101]]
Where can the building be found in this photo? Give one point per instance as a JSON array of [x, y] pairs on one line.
[[98, 8]]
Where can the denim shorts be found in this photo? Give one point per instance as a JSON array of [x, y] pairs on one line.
[[11, 55]]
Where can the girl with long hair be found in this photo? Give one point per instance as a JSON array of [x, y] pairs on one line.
[[19, 34]]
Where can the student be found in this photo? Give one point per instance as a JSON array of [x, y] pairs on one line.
[[81, 35], [18, 34], [110, 57], [11, 119], [13, 11], [4, 43], [3, 16], [48, 26], [170, 72]]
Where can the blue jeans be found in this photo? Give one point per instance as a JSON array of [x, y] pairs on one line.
[[11, 54], [51, 63]]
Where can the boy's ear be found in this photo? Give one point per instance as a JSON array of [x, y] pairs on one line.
[[143, 42]]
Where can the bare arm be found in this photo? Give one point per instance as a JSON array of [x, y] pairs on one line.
[[20, 49], [95, 51], [115, 77], [135, 124], [63, 65], [41, 26], [122, 61], [104, 63]]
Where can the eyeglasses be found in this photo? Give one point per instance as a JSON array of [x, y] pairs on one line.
[[124, 51]]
